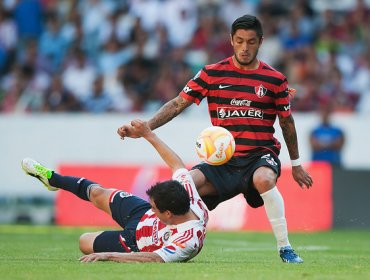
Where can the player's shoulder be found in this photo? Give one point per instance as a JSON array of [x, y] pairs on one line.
[[220, 65], [271, 71]]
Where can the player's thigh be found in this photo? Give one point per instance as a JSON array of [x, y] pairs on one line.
[[86, 242], [100, 196], [203, 186]]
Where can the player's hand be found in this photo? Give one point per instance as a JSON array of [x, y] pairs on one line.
[[127, 131], [94, 257], [302, 177], [141, 128]]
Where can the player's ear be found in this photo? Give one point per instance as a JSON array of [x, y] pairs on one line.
[[169, 214], [231, 40], [261, 40]]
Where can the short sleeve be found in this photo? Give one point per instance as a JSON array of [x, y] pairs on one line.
[[282, 100], [197, 88], [183, 176], [177, 252]]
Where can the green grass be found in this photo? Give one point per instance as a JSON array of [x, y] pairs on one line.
[[43, 252]]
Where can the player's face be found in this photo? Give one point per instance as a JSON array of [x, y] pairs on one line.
[[164, 217], [246, 44]]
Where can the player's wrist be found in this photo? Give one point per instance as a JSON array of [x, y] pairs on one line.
[[296, 162]]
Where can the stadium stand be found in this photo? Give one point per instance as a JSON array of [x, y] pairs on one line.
[[52, 53]]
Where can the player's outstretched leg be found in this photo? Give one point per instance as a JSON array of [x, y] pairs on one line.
[[42, 173], [81, 187]]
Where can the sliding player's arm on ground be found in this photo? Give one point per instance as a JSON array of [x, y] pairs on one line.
[[167, 154], [134, 257]]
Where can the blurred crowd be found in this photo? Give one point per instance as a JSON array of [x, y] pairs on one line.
[[134, 55]]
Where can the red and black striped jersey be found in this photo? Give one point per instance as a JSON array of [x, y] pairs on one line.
[[246, 102]]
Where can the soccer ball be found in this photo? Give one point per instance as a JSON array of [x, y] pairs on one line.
[[215, 145]]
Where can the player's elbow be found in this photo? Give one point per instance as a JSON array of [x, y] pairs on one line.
[[177, 166]]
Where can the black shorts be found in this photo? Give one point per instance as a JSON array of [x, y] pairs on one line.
[[127, 211], [236, 176]]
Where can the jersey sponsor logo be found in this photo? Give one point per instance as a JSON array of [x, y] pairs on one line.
[[187, 89], [229, 113], [155, 232], [269, 159], [240, 102], [170, 249], [260, 91], [287, 108], [224, 86]]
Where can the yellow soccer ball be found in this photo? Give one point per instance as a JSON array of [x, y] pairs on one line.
[[215, 145]]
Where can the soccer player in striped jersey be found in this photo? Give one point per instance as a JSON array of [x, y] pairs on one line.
[[169, 228], [245, 96]]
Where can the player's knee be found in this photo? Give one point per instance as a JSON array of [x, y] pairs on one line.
[[95, 192], [86, 243], [264, 177]]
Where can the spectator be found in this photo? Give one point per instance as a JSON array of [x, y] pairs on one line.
[[315, 43], [79, 75], [115, 88], [327, 140], [8, 40], [53, 44], [58, 99], [98, 100], [28, 15]]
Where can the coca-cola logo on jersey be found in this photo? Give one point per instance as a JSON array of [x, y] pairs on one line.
[[238, 102]]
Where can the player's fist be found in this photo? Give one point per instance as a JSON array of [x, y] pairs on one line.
[[127, 131], [141, 128]]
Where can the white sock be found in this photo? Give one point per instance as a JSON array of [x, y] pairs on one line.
[[274, 207]]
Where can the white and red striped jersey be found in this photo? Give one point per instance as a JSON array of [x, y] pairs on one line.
[[174, 243]]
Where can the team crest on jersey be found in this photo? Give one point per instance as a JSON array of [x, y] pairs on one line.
[[125, 194], [166, 236], [269, 159], [260, 91]]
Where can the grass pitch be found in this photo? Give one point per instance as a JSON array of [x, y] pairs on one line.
[[49, 252]]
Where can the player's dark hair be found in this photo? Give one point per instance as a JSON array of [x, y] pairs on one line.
[[170, 195], [247, 22]]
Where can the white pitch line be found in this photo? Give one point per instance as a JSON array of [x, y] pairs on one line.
[[257, 246]]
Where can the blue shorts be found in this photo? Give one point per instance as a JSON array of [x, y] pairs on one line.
[[127, 211], [236, 176]]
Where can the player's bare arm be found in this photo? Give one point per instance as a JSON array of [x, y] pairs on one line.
[[167, 154], [135, 257], [166, 113], [300, 175]]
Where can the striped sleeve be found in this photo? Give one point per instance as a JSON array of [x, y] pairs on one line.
[[181, 249], [183, 176], [282, 100], [197, 88]]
